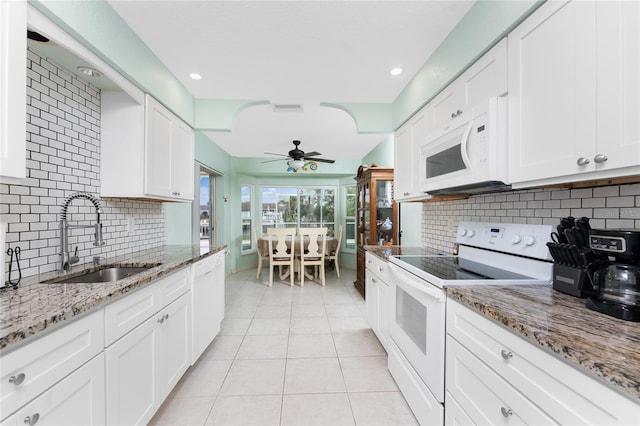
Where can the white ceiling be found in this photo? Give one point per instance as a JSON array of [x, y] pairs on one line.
[[293, 52]]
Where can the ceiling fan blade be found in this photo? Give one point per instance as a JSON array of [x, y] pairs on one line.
[[273, 153], [311, 154], [271, 161], [322, 160]]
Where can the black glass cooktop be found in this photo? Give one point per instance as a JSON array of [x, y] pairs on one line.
[[456, 268]]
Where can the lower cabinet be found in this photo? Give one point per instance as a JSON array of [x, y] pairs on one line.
[[378, 297], [143, 366], [116, 365], [496, 377], [76, 400], [27, 373]]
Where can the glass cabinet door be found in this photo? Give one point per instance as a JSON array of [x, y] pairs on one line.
[[384, 213]]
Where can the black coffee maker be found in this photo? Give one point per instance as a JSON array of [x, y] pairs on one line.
[[617, 284]]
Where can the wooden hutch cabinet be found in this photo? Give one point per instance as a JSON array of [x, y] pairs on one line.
[[376, 214]]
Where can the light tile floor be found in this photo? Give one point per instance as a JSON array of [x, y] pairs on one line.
[[289, 356]]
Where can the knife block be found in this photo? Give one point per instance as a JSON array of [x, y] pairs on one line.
[[573, 281]]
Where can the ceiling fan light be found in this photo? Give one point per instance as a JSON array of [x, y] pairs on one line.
[[295, 164]]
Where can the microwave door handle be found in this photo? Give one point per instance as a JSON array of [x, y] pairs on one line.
[[464, 146]]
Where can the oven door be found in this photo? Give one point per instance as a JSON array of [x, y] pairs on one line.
[[418, 326]]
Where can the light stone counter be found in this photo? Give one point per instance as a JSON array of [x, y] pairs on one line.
[[36, 307]]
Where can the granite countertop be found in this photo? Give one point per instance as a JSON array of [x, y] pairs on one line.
[[36, 306], [605, 347], [602, 346]]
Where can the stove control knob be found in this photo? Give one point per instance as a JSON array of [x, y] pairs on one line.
[[462, 232], [471, 233], [531, 240], [517, 239]]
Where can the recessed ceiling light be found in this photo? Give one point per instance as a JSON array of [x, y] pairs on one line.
[[396, 71], [90, 72], [195, 76]]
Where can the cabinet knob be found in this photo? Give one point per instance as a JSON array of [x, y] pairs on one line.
[[32, 420], [600, 158], [582, 161], [506, 354], [506, 412], [17, 380], [458, 113], [453, 115]]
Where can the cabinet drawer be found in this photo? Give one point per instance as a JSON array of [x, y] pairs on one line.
[[485, 396], [207, 264], [76, 400], [43, 362], [173, 286], [567, 395], [125, 314], [378, 266]]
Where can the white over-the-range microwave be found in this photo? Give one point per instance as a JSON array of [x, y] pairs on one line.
[[468, 155]]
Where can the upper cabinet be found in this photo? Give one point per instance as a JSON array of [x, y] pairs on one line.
[[574, 93], [13, 90], [406, 139], [486, 78], [146, 151]]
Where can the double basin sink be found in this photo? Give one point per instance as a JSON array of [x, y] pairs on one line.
[[104, 274]]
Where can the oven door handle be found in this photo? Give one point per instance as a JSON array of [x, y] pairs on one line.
[[409, 279]]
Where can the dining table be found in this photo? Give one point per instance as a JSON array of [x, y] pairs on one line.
[[263, 248]]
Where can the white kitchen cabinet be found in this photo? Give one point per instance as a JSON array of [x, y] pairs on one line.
[[31, 369], [148, 347], [497, 377], [486, 78], [143, 366], [406, 161], [76, 400], [378, 297], [146, 151], [132, 382], [574, 93], [13, 90], [207, 298]]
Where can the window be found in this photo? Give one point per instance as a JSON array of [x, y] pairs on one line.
[[285, 207], [349, 235], [246, 214]]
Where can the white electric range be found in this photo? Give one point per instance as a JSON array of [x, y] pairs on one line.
[[489, 254]]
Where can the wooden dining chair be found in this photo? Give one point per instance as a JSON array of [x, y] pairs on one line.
[[279, 252], [332, 255], [314, 244], [261, 257]]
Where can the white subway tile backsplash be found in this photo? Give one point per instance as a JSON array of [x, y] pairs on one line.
[[63, 146], [616, 206]]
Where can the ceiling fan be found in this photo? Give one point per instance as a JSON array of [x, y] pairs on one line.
[[297, 158]]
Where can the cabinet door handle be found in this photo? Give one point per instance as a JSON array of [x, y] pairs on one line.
[[582, 161], [32, 420], [17, 380], [506, 354], [600, 158], [506, 412], [453, 115]]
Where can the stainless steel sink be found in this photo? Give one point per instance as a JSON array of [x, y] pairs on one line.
[[106, 274]]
